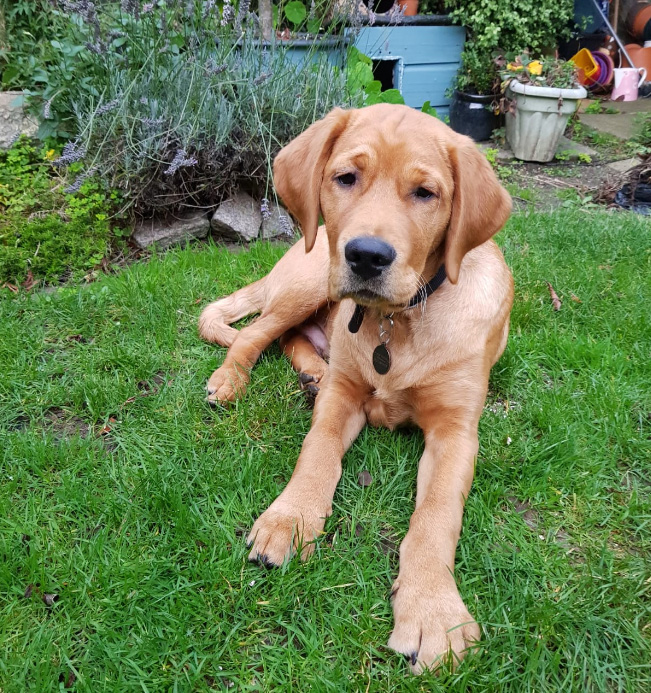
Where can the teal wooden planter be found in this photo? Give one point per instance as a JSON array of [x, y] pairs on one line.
[[331, 48], [420, 57]]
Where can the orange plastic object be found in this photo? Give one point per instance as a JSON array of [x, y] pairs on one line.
[[587, 66]]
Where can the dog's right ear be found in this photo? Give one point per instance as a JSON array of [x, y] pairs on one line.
[[298, 170]]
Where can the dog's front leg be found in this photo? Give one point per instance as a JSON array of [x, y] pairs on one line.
[[297, 517], [431, 620]]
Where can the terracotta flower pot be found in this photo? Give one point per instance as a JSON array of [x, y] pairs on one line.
[[411, 7], [638, 19]]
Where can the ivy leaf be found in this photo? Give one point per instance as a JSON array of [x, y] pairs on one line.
[[429, 109], [295, 11], [391, 96]]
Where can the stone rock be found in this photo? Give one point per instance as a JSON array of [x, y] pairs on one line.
[[572, 149], [13, 119], [278, 225], [164, 233], [625, 165], [239, 218]]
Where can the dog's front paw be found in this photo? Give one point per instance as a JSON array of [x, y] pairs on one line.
[[432, 625], [226, 384], [281, 531]]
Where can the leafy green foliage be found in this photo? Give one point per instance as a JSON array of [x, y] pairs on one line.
[[186, 106], [541, 72], [44, 232], [360, 79], [514, 25], [479, 73], [39, 55], [295, 12]]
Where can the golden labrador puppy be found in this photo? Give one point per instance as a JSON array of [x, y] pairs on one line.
[[408, 298]]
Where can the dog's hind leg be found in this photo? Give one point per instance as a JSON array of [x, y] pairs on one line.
[[306, 360]]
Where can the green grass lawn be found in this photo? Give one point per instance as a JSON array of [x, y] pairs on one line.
[[126, 496]]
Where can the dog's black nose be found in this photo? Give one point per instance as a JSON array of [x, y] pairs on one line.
[[368, 256]]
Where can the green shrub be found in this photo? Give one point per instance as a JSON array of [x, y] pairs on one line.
[[514, 25], [177, 110], [43, 229], [479, 73]]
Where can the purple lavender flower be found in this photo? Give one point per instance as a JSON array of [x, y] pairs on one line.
[[79, 181], [86, 10], [72, 152], [47, 109], [396, 13], [180, 159], [152, 122], [98, 47], [242, 13], [107, 107], [130, 7], [228, 13], [208, 7], [264, 209], [262, 78], [286, 225], [147, 8], [213, 69]]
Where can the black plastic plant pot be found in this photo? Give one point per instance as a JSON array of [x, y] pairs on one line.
[[473, 115]]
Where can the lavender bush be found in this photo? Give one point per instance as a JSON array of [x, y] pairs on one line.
[[187, 103]]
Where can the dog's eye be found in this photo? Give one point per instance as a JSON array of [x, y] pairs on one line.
[[424, 193], [346, 179]]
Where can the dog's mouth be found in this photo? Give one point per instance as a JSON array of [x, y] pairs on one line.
[[371, 299]]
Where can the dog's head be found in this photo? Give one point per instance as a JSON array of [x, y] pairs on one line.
[[395, 187]]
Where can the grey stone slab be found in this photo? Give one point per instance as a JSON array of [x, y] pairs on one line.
[[238, 218], [574, 149], [13, 119], [168, 233], [624, 165]]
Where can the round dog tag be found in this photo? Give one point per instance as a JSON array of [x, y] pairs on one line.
[[381, 359]]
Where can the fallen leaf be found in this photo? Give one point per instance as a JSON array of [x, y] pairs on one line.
[[129, 401], [12, 287], [364, 479], [28, 591], [198, 301], [107, 428], [575, 298], [70, 679], [556, 301], [29, 282], [75, 338], [49, 599]]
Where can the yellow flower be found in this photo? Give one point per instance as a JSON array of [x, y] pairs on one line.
[[49, 155], [535, 67], [512, 67]]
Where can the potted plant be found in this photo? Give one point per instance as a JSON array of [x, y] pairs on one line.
[[474, 107], [539, 97]]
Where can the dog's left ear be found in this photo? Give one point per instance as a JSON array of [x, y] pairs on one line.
[[298, 170], [480, 206]]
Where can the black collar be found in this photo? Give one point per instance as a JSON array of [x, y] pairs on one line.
[[422, 293]]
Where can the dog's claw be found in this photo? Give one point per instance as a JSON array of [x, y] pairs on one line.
[[305, 378], [414, 658], [265, 561]]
